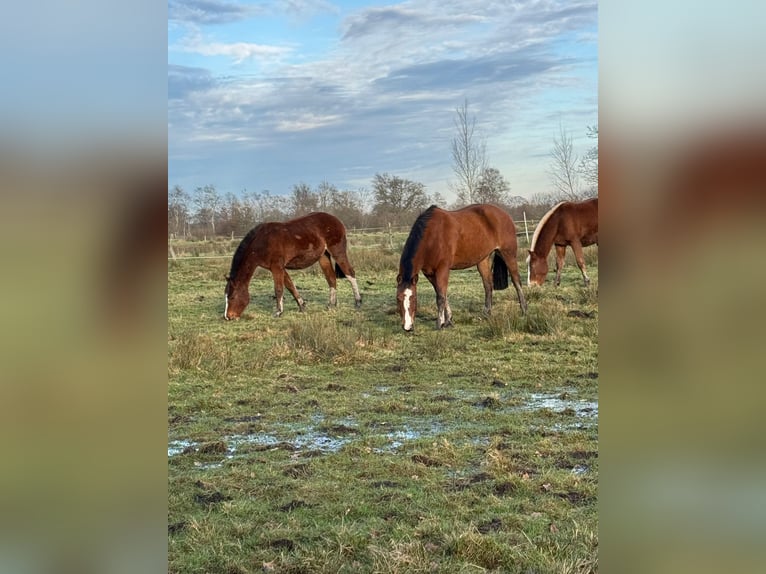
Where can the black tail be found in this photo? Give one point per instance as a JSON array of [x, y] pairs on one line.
[[499, 273], [340, 275]]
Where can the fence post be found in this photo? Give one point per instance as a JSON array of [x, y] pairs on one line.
[[526, 230]]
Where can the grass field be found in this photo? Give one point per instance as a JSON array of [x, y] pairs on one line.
[[331, 441]]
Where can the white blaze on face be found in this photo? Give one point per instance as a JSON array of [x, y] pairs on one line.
[[406, 305], [225, 306]]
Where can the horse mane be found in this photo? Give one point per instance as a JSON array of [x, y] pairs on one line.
[[413, 242], [542, 223], [241, 252]]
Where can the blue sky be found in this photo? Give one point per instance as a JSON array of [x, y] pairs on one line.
[[263, 95]]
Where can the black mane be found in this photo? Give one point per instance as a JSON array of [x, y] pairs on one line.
[[413, 242], [241, 252]]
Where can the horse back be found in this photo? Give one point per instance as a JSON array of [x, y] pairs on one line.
[[578, 220], [477, 230], [300, 242]]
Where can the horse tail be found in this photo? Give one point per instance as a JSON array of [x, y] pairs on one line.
[[499, 273], [339, 272]]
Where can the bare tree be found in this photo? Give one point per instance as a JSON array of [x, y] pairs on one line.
[[563, 170], [178, 211], [589, 164], [207, 201], [303, 200], [492, 187], [469, 155]]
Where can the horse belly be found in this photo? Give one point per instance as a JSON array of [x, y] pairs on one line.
[[305, 259], [590, 239], [465, 258]]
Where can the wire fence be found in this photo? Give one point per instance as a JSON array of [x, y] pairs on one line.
[[358, 238]]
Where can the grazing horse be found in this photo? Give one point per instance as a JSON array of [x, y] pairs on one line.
[[573, 223], [294, 244], [442, 240]]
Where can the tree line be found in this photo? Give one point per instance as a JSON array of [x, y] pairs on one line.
[[392, 200], [395, 201]]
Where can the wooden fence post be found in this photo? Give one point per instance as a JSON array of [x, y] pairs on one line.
[[526, 230]]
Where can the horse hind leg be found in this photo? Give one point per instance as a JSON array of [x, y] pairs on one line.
[[343, 268], [329, 274], [509, 257], [487, 280]]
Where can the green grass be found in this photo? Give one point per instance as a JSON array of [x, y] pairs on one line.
[[331, 441]]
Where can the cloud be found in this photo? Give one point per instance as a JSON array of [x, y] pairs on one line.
[[497, 68], [183, 80], [209, 11], [390, 18], [309, 121], [239, 51]]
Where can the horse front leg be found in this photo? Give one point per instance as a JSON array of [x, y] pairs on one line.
[[560, 254], [443, 311], [291, 287], [279, 287]]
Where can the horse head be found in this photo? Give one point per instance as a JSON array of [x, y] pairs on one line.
[[537, 268], [407, 301], [237, 297]]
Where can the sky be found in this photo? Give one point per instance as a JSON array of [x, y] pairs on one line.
[[267, 94]]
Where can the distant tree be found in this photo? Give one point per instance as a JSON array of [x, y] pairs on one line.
[[267, 207], [236, 215], [566, 169], [492, 188], [207, 202], [178, 211], [346, 205], [469, 156], [438, 199], [563, 173], [325, 191], [303, 200], [589, 164], [397, 199]]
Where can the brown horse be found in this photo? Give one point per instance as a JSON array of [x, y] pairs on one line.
[[573, 223], [294, 244], [442, 240]]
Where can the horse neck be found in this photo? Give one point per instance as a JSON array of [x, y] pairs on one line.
[[246, 269], [544, 241], [414, 264]]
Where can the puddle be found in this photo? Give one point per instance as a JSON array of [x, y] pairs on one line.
[[560, 402], [317, 437], [178, 446]]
